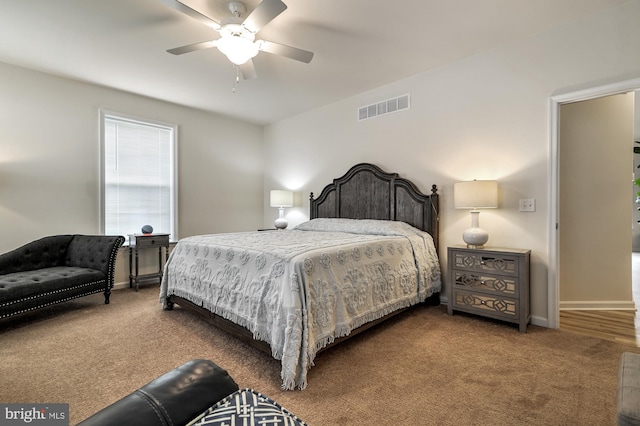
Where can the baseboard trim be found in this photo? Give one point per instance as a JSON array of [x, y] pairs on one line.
[[118, 286], [125, 284], [540, 321], [607, 305]]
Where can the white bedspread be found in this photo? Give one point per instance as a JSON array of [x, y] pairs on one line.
[[300, 289]]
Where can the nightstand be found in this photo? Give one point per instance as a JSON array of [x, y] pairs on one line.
[[492, 282], [145, 241]]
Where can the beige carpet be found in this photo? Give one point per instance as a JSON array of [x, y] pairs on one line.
[[422, 368]]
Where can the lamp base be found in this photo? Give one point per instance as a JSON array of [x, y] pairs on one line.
[[475, 237], [281, 223]]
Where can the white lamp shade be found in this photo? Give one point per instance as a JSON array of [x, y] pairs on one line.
[[281, 198], [476, 194]]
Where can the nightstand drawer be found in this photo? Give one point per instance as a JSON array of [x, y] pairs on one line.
[[498, 307], [494, 284], [489, 262], [143, 241]]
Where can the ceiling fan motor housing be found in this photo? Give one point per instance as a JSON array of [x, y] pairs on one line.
[[237, 8]]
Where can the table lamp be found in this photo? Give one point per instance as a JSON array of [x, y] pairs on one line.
[[281, 199], [475, 194]]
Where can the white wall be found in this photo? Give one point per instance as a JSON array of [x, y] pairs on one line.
[[485, 117], [49, 160], [596, 139]]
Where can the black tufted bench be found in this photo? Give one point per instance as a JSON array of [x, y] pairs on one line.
[[56, 269]]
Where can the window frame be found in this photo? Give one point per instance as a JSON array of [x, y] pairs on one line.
[[104, 114]]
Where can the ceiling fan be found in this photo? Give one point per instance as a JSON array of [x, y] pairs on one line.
[[237, 35]]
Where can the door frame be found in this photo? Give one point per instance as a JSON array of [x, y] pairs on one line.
[[553, 312]]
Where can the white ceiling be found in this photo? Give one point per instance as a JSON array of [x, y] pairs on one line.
[[358, 45]]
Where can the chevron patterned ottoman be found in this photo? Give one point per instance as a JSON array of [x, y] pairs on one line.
[[247, 407]]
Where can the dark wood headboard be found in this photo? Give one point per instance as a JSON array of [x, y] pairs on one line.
[[368, 192]]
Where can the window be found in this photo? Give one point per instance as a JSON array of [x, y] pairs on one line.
[[138, 175]]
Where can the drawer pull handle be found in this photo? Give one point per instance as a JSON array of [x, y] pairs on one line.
[[482, 262], [482, 302], [482, 282]]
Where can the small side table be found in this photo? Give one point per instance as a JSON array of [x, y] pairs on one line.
[[144, 241]]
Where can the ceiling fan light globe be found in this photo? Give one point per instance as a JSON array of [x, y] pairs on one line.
[[238, 49]]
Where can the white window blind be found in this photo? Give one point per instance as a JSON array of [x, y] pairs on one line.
[[138, 176]]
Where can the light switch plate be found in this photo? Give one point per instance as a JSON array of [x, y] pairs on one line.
[[528, 205]]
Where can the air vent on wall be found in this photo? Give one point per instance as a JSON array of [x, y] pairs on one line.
[[384, 107]]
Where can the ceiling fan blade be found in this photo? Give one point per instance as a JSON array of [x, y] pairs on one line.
[[195, 14], [248, 70], [288, 51], [263, 14], [193, 47]]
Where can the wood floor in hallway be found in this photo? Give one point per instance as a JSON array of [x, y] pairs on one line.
[[618, 326]]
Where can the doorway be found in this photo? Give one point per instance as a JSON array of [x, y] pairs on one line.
[[588, 204], [596, 157]]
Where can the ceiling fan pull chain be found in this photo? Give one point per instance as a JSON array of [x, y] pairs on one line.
[[233, 90], [237, 80]]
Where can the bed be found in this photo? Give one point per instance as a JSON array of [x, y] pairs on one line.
[[368, 252]]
